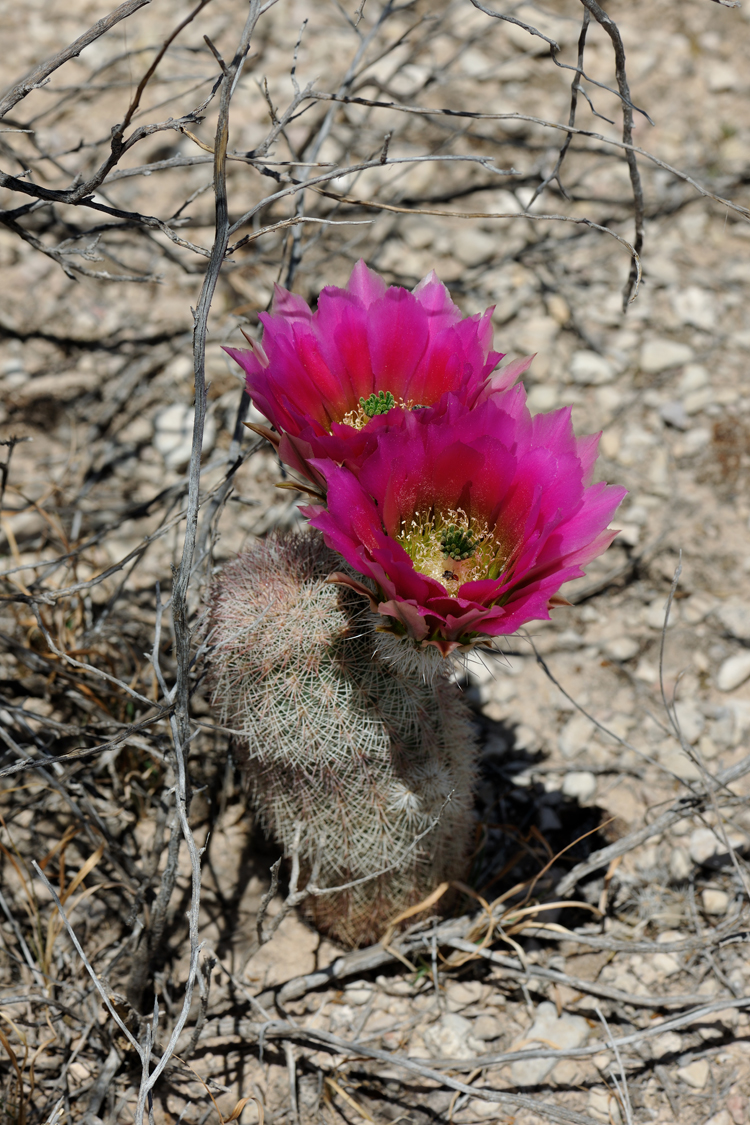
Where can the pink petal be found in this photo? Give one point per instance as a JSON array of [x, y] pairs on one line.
[[365, 284], [397, 334]]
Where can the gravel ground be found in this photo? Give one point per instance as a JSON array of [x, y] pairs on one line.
[[579, 750]]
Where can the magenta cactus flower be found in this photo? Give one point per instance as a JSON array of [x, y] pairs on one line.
[[469, 523], [331, 380]]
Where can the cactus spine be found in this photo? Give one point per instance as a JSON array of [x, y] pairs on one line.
[[375, 763]]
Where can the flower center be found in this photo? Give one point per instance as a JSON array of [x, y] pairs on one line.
[[368, 408], [379, 403], [457, 543], [452, 548]]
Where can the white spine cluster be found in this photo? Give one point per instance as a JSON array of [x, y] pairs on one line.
[[367, 757]]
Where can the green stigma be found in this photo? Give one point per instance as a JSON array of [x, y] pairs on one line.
[[379, 403], [457, 543]]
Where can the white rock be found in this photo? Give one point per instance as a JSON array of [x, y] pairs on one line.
[[695, 306], [461, 993], [697, 401], [576, 734], [655, 613], [647, 671], [451, 1038], [691, 721], [669, 937], [696, 607], [488, 1027], [609, 398], [735, 618], [547, 1030], [604, 1106], [591, 369], [637, 513], [474, 62], [417, 234], [694, 378], [715, 901], [579, 785], [679, 865], [662, 269], [723, 1117], [477, 1107], [705, 843], [471, 245], [669, 1043], [677, 762], [666, 964], [675, 414], [733, 672], [173, 434], [358, 992], [721, 77], [620, 648], [542, 398], [695, 1074], [342, 1015], [694, 441], [658, 355], [536, 334]]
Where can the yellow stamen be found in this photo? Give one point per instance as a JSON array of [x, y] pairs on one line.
[[452, 548]]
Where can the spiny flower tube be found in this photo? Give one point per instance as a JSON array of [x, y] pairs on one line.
[[468, 523], [331, 380]]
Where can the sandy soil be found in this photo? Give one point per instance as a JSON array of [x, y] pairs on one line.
[[96, 377]]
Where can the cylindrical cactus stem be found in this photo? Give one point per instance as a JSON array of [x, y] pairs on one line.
[[375, 763]]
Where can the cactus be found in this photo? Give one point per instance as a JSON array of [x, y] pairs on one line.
[[375, 762]]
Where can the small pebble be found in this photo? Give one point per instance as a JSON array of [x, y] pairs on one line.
[[548, 1030], [655, 614], [704, 843], [451, 1037], [674, 414], [735, 619], [670, 1043], [695, 1074], [694, 378], [715, 901], [659, 355], [591, 369], [733, 672], [666, 964], [679, 865], [604, 1106], [488, 1027], [723, 1117], [580, 785], [621, 648], [697, 607], [575, 735]]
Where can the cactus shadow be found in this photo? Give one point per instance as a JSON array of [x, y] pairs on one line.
[[527, 831]]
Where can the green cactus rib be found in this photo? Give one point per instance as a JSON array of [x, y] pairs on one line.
[[366, 757]]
